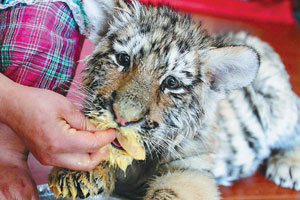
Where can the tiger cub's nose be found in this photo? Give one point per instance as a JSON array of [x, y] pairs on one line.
[[121, 119]]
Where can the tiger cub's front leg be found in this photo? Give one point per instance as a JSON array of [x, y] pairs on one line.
[[182, 185], [71, 184]]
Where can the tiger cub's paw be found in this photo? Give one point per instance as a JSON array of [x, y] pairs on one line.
[[162, 194], [284, 170], [182, 185], [72, 184]]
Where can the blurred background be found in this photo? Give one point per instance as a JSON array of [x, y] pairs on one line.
[[276, 22]]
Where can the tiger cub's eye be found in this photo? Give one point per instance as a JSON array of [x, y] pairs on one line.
[[123, 59], [171, 83]]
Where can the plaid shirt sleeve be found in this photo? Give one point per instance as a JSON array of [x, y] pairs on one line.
[[40, 45]]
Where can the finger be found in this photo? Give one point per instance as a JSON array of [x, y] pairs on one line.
[[98, 156], [77, 161], [86, 142], [76, 119]]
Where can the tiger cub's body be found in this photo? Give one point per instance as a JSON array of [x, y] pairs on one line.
[[210, 109], [253, 121]]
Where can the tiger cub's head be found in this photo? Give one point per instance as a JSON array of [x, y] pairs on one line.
[[158, 74]]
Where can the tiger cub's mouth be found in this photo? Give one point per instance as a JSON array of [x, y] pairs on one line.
[[116, 144], [128, 145], [129, 142]]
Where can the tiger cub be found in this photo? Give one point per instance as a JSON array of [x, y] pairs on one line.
[[207, 109]]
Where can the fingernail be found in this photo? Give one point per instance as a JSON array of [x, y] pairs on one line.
[[83, 162]]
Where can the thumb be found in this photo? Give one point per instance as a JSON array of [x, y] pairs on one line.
[[77, 120]]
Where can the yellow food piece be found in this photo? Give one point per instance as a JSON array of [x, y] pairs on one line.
[[130, 141], [128, 138]]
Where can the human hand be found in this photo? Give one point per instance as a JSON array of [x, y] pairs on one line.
[[53, 129]]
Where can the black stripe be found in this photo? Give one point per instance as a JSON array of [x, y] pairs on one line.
[[252, 140], [228, 136], [248, 97], [176, 96], [187, 74]]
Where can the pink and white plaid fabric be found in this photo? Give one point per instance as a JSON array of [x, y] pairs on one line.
[[40, 45]]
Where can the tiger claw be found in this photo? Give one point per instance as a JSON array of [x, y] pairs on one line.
[[72, 184]]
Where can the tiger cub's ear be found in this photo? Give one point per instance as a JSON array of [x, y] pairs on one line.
[[124, 6], [229, 68], [103, 13], [98, 13]]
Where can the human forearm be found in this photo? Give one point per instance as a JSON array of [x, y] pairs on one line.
[[8, 89]]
